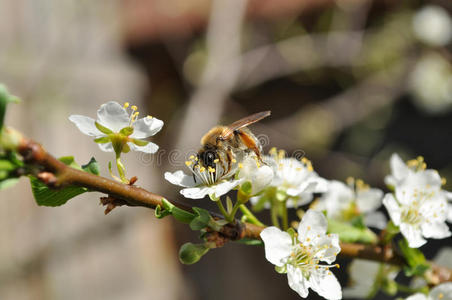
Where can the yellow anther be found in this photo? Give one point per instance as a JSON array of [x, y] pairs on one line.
[[126, 104], [216, 160], [329, 273], [298, 169], [309, 166], [211, 170], [196, 158], [308, 240], [202, 169], [337, 266], [188, 163], [423, 166], [350, 180], [443, 181], [440, 296], [233, 160], [272, 151], [134, 107], [191, 157], [281, 154], [240, 165], [149, 117], [309, 227]]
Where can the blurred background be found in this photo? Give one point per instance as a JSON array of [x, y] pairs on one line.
[[348, 81]]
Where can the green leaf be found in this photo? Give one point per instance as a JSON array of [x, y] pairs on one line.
[[46, 196], [416, 262], [91, 167], [126, 131], [191, 253], [5, 98], [229, 204], [201, 220], [6, 165], [358, 222], [182, 215], [350, 234], [102, 128]]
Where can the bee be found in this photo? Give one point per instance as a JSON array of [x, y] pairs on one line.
[[224, 146]]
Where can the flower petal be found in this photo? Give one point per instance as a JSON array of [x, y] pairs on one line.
[[398, 168], [417, 296], [224, 187], [369, 200], [278, 245], [85, 125], [312, 224], [329, 246], [413, 235], [113, 116], [297, 281], [435, 230], [376, 220], [326, 285], [180, 178], [107, 147], [442, 291], [393, 208], [149, 148], [146, 127], [196, 192]]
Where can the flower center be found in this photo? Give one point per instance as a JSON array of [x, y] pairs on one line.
[[203, 175], [412, 214], [307, 258], [133, 113]]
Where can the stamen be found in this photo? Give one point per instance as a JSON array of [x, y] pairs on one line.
[[240, 166], [188, 163], [134, 107], [149, 117], [126, 105], [233, 160], [191, 157]]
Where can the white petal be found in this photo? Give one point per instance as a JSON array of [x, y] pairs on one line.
[[260, 177], [412, 235], [326, 285], [322, 184], [435, 230], [398, 168], [278, 245], [330, 245], [444, 289], [107, 147], [312, 224], [180, 178], [196, 192], [362, 273], [113, 116], [393, 208], [146, 127], [297, 282], [369, 200], [376, 220], [85, 125], [149, 148], [224, 187], [417, 296], [449, 213]]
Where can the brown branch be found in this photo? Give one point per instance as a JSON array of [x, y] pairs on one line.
[[34, 154]]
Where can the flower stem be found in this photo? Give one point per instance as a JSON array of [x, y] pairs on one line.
[[121, 170], [274, 215], [234, 209], [285, 218], [250, 217], [223, 211]]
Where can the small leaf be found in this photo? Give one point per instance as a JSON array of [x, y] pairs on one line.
[[229, 204], [251, 242], [126, 131], [350, 234], [417, 264], [160, 212], [201, 220], [102, 128], [182, 215], [5, 97], [70, 161], [91, 167], [45, 196], [191, 253]]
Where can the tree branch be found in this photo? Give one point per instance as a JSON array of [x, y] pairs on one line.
[[34, 154]]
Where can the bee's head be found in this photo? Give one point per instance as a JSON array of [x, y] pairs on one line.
[[207, 157]]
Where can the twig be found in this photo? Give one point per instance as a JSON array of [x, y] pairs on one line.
[[34, 154]]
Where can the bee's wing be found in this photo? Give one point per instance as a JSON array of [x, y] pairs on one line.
[[243, 123]]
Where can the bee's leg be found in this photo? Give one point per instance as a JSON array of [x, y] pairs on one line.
[[230, 158], [250, 143]]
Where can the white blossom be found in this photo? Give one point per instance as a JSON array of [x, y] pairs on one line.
[[439, 292], [258, 174], [433, 25], [213, 181], [293, 178], [344, 202], [117, 130], [301, 256]]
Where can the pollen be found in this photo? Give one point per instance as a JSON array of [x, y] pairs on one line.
[[240, 165], [202, 169], [443, 181], [440, 296], [211, 170], [272, 151], [149, 117], [188, 163], [309, 227], [233, 160], [134, 107], [337, 266], [216, 160], [126, 105], [192, 157]]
